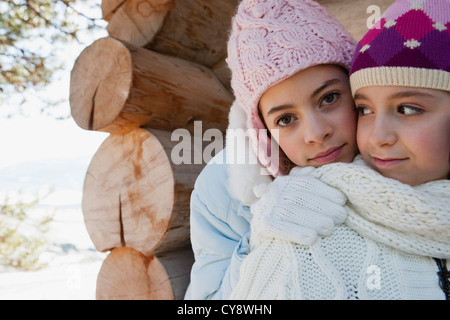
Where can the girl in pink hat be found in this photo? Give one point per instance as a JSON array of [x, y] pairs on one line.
[[290, 61]]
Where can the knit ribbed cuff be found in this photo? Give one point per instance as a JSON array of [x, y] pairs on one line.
[[400, 76]]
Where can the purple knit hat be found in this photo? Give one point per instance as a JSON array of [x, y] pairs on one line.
[[270, 41], [409, 46]]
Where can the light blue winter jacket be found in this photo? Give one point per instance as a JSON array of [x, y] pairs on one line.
[[219, 234]]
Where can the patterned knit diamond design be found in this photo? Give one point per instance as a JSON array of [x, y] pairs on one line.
[[413, 34]]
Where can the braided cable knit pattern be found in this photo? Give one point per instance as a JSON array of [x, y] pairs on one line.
[[412, 219], [337, 267], [391, 228]]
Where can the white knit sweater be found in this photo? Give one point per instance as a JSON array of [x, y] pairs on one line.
[[388, 257], [341, 266]]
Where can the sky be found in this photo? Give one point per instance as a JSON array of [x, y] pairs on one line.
[[40, 138], [39, 153]]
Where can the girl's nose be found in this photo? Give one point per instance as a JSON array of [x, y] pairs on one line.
[[383, 132], [316, 129]]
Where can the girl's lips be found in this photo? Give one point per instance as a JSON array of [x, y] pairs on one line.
[[328, 156], [386, 163]]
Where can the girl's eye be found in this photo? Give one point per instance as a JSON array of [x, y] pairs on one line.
[[363, 110], [284, 120], [330, 98], [408, 110]]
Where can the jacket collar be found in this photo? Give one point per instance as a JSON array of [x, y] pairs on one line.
[[245, 177]]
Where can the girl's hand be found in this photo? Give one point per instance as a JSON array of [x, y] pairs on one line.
[[298, 208]]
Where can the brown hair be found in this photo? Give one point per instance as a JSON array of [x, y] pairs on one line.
[[285, 164]]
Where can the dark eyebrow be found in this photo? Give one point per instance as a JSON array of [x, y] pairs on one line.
[[324, 85], [359, 96], [279, 108]]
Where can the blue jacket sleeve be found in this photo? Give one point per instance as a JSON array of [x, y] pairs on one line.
[[219, 228]]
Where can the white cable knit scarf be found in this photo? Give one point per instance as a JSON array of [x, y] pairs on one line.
[[415, 220]]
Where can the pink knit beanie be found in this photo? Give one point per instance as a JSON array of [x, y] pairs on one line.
[[272, 40]]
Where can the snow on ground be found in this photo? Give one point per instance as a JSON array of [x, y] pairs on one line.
[[72, 262]]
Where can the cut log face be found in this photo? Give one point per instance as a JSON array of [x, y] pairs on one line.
[[109, 7], [135, 196], [127, 274], [138, 21], [116, 87], [100, 84]]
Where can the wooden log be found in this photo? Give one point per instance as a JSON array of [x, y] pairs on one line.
[[196, 30], [191, 29], [134, 195], [109, 7], [353, 14], [116, 87], [223, 73], [138, 21], [178, 265], [127, 274]]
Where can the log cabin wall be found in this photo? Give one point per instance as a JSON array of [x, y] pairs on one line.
[[161, 68]]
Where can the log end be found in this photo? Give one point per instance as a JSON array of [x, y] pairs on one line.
[[137, 22], [109, 7], [128, 193], [127, 274], [100, 83]]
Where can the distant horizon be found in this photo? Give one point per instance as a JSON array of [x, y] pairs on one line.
[[26, 139]]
